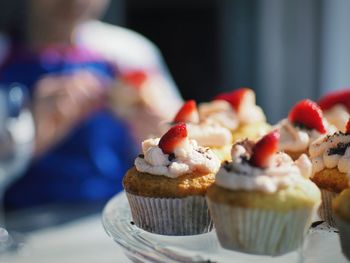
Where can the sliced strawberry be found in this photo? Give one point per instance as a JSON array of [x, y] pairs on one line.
[[237, 98], [264, 149], [347, 127], [336, 97], [308, 114], [188, 113], [134, 78], [173, 138]]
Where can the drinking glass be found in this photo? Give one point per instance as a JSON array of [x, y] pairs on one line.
[[16, 145]]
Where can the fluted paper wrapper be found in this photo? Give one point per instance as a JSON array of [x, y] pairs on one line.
[[171, 216], [344, 235], [260, 232], [325, 211]]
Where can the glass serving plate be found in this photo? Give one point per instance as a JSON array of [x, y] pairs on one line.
[[321, 244]]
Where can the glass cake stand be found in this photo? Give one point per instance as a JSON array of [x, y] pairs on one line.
[[321, 244]]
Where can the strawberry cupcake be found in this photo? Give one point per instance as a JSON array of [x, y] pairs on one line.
[[330, 156], [166, 188], [238, 112], [341, 210], [263, 202], [336, 108], [212, 135], [305, 123]]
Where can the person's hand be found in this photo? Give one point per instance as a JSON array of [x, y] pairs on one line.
[[60, 103]]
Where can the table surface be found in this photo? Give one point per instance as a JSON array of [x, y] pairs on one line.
[[83, 240]]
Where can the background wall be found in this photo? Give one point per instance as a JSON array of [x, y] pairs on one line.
[[285, 50]]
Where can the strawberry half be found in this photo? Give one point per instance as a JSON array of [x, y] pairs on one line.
[[347, 127], [188, 113], [308, 114], [237, 98], [264, 149], [336, 97], [134, 78], [174, 137]]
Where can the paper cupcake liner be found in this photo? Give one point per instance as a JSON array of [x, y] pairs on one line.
[[171, 216], [344, 235], [325, 211], [260, 232]]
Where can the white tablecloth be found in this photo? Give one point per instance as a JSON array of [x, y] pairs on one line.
[[82, 241]]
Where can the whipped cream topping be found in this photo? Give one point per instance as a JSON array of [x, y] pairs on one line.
[[295, 139], [338, 115], [331, 151], [187, 158], [281, 173], [221, 112], [210, 135]]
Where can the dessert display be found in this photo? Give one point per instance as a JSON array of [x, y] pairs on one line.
[[305, 123], [166, 188], [263, 202], [238, 112], [207, 134], [341, 209], [330, 156], [336, 107]]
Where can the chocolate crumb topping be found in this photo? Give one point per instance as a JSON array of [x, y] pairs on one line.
[[141, 156], [171, 157], [316, 223], [301, 126], [339, 149]]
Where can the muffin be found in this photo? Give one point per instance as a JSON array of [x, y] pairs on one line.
[[336, 107], [166, 188], [263, 202], [238, 112], [212, 135], [305, 123], [330, 157], [341, 209]]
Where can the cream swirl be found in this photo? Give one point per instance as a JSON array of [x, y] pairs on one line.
[[282, 172], [188, 158], [338, 115], [295, 139], [331, 151], [211, 135], [221, 112]]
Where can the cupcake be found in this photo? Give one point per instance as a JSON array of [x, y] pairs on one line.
[[238, 112], [336, 108], [341, 209], [166, 188], [263, 202], [305, 123], [212, 135], [330, 157]]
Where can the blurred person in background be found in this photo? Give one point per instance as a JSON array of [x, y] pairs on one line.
[[96, 90]]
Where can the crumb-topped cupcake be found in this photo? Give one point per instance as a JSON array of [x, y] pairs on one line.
[[336, 107], [238, 112], [305, 123], [330, 156], [207, 134], [341, 209], [263, 202], [166, 188]]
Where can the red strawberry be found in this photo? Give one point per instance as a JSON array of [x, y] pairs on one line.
[[175, 136], [188, 113], [134, 78], [347, 127], [336, 97], [264, 149], [237, 98], [309, 114]]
